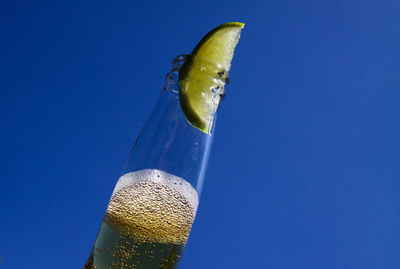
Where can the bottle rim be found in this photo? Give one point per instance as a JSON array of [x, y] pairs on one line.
[[179, 60], [218, 74]]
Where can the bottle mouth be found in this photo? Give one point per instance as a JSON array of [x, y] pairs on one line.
[[209, 69], [215, 70], [179, 60]]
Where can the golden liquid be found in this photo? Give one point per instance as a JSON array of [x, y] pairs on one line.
[[147, 222]]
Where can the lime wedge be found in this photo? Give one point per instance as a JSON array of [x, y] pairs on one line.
[[202, 77]]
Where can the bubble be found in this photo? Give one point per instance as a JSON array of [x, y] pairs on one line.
[[153, 206]]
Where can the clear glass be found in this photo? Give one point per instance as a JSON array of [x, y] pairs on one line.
[[154, 203]]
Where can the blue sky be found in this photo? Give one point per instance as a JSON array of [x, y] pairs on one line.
[[304, 171]]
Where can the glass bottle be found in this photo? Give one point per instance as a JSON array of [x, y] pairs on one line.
[[154, 203]]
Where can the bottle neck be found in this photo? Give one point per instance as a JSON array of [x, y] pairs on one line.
[[167, 142]]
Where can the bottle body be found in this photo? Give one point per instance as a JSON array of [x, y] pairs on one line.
[[154, 203]]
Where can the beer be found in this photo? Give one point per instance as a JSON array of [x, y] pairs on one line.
[[147, 222]]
